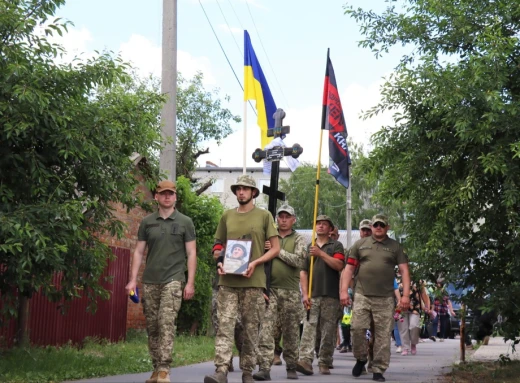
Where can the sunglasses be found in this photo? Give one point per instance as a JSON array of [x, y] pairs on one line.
[[379, 224]]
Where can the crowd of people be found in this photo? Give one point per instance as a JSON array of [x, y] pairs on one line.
[[316, 297]]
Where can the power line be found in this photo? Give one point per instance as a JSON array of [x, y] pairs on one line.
[[233, 8], [230, 31], [269, 61], [223, 51]]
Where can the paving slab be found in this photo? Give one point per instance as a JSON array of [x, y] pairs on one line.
[[432, 360], [494, 349]]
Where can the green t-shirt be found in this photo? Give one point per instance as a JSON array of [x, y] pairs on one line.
[[285, 272], [166, 238], [377, 261], [325, 281], [257, 225]]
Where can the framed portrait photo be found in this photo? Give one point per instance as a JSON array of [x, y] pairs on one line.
[[238, 254]]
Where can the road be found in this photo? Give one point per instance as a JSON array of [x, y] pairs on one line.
[[432, 360]]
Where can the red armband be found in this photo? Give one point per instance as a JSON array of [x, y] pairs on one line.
[[353, 262], [217, 247], [339, 256]]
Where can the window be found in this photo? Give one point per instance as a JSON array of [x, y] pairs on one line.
[[218, 186]]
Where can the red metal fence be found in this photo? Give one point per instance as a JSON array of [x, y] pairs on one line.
[[47, 326]]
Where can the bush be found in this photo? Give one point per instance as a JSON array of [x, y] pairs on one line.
[[205, 212]]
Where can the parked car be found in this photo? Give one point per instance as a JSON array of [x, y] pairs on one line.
[[455, 322]]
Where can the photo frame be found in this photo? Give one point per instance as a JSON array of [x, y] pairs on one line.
[[237, 256]]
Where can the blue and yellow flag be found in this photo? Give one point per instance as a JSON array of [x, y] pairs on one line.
[[256, 88]]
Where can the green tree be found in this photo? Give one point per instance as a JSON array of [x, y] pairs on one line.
[[205, 212], [301, 186], [453, 152], [67, 133], [200, 118]]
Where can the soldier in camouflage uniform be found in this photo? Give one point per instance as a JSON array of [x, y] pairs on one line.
[[328, 260], [239, 333], [284, 302], [242, 294], [376, 257], [170, 238]]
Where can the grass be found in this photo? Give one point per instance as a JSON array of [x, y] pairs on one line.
[[491, 372], [96, 358]]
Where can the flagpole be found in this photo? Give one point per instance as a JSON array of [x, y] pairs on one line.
[[245, 138], [349, 213], [313, 238], [316, 195]]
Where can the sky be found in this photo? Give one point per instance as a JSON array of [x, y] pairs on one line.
[[290, 39]]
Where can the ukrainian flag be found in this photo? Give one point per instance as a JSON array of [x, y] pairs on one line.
[[256, 88]]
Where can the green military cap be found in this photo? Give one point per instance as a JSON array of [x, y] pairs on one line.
[[286, 208], [324, 217], [245, 180], [365, 224], [380, 218]]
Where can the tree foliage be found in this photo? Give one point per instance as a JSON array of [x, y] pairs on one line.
[[452, 154], [201, 117], [67, 133], [205, 212], [301, 186]]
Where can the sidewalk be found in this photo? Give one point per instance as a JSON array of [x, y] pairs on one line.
[[432, 360], [493, 350]]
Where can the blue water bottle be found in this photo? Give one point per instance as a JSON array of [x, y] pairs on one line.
[[134, 296]]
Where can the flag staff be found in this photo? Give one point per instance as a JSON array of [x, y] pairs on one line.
[[349, 213], [316, 195], [245, 138]]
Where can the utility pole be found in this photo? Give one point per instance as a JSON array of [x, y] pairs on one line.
[[168, 159]]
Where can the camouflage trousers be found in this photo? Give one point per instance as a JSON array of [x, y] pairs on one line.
[[249, 304], [277, 335], [283, 309], [239, 332], [327, 312], [161, 304], [379, 310]]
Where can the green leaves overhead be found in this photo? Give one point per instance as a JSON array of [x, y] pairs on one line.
[[67, 134], [451, 154]]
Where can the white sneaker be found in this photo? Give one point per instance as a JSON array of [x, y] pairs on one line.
[[399, 349], [441, 340]]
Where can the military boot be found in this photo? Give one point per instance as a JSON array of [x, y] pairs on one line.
[[217, 377], [262, 375], [291, 374], [247, 377], [164, 377], [153, 378], [304, 367]]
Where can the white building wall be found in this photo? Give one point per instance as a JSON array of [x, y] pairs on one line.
[[226, 176]]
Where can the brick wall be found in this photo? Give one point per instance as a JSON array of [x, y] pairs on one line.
[[132, 219]]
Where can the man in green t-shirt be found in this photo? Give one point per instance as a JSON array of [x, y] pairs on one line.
[[375, 256], [170, 238], [242, 294], [284, 299], [328, 259]]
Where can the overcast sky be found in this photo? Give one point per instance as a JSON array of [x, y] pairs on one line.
[[290, 39]]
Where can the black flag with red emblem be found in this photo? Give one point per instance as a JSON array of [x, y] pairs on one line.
[[332, 120]]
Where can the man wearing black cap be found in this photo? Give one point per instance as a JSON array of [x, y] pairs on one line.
[[375, 256], [170, 238], [242, 294], [328, 259]]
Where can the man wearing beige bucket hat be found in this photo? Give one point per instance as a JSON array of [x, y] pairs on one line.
[[242, 294]]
